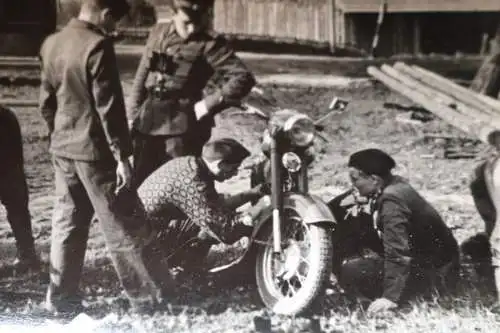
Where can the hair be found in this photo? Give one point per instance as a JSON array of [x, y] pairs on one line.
[[226, 149], [117, 8]]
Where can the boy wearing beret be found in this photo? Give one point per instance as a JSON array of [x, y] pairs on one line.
[[181, 200], [417, 251]]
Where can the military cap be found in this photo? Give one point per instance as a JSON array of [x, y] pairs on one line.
[[226, 149], [372, 162]]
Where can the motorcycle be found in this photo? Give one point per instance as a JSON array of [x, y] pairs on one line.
[[291, 246]]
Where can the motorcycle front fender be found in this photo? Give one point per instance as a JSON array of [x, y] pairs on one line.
[[311, 209]]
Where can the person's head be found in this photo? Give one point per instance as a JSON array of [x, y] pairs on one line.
[[191, 16], [104, 13], [369, 169], [223, 157]]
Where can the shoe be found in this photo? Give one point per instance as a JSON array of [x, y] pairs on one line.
[[65, 309]]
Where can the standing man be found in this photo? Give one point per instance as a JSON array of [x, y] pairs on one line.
[[14, 190], [168, 112], [82, 102]]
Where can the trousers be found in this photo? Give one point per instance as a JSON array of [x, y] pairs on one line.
[[82, 189]]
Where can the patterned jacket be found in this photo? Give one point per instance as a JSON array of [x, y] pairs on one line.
[[185, 184], [186, 67]]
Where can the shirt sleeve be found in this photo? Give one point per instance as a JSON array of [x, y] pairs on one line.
[[235, 80], [210, 213], [47, 98], [108, 98], [394, 219]]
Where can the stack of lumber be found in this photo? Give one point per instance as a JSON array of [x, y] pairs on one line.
[[475, 114]]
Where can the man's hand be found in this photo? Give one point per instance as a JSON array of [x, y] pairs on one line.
[[201, 109], [123, 174], [261, 189], [381, 305]]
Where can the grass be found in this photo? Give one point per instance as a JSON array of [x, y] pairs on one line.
[[234, 308]]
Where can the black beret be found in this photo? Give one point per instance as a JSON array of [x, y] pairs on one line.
[[226, 149], [372, 162]]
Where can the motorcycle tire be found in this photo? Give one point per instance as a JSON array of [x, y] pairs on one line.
[[311, 288]]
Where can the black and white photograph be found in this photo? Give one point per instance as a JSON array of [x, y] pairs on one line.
[[249, 166]]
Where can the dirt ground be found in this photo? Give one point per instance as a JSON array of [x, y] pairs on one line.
[[368, 122]]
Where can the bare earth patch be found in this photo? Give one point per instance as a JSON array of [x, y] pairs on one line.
[[366, 123]]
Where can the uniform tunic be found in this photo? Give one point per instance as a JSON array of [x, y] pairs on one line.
[[162, 110]]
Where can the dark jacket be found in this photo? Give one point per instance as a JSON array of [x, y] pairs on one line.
[[81, 96], [11, 142], [189, 65], [413, 233]]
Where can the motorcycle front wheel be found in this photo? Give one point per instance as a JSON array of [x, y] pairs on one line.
[[289, 283]]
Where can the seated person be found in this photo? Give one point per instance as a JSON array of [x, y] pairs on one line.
[[181, 199], [416, 251]]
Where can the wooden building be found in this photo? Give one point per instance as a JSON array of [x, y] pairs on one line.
[[279, 20], [417, 26], [410, 26], [24, 24]]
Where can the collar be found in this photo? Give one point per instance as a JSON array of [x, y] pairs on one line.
[[79, 24], [193, 37]]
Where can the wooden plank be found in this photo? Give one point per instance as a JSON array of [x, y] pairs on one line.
[[331, 24], [491, 102], [484, 131], [442, 84], [20, 103], [436, 95], [417, 35]]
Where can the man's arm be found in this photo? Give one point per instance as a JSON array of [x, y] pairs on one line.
[[108, 99], [47, 99], [237, 80], [138, 93], [394, 218], [233, 201]]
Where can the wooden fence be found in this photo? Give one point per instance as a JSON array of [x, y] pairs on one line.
[[309, 20]]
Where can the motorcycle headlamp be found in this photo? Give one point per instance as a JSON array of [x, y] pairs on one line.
[[291, 162], [300, 130]]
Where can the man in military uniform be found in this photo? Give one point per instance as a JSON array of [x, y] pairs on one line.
[[170, 116], [181, 199], [82, 101], [14, 189]]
